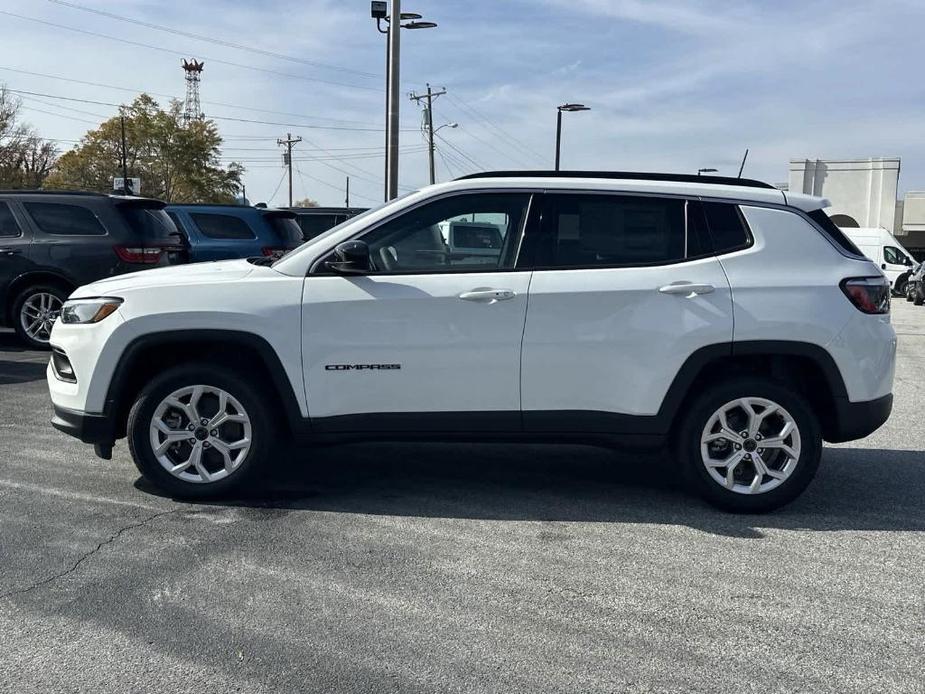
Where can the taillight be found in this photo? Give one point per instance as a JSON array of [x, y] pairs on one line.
[[145, 255], [868, 294], [275, 253]]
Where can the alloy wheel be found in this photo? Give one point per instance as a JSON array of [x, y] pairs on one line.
[[750, 445], [38, 314], [200, 434]]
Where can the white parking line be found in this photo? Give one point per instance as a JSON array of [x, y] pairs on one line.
[[77, 496]]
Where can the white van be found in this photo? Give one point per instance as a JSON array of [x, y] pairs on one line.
[[883, 248]]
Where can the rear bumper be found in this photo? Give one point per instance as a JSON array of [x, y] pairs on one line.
[[855, 420], [89, 428]]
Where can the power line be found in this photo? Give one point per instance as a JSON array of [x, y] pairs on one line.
[[211, 39], [510, 139], [281, 178], [211, 117], [136, 90], [460, 152], [186, 53]]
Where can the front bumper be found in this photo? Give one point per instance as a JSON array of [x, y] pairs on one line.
[[855, 420], [97, 429]]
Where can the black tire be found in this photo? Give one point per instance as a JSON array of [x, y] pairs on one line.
[[253, 398], [17, 312], [699, 412], [910, 291], [917, 299]]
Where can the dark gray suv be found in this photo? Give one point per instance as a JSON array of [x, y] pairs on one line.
[[53, 242]]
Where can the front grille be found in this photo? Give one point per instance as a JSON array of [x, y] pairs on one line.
[[61, 365]]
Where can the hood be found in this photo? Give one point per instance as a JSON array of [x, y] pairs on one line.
[[195, 273]]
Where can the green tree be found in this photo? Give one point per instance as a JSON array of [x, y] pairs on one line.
[[176, 162], [25, 158]]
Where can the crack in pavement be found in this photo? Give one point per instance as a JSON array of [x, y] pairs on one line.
[[112, 538]]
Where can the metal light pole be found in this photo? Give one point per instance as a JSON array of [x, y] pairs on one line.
[[570, 108], [393, 17]]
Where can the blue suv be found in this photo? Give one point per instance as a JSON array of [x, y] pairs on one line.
[[221, 232]]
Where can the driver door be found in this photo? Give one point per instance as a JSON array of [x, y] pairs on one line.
[[430, 338]]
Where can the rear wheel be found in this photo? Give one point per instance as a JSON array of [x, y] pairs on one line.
[[917, 298], [34, 313], [750, 445], [200, 431], [910, 291]]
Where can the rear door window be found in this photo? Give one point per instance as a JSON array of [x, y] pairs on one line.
[[592, 230], [222, 226], [8, 224], [64, 220]]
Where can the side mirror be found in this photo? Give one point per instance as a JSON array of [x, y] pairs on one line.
[[351, 258]]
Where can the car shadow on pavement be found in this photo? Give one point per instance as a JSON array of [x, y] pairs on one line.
[[855, 489], [12, 372]]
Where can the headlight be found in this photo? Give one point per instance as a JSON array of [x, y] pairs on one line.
[[88, 310]]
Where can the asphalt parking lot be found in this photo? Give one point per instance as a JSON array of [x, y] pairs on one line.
[[377, 568]]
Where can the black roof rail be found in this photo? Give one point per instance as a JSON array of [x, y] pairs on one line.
[[624, 175]]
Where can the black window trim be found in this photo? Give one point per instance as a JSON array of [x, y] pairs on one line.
[[316, 269], [686, 199], [38, 227], [18, 222]]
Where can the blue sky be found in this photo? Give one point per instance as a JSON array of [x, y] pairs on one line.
[[673, 85]]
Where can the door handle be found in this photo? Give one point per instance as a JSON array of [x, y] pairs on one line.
[[10, 251], [488, 296], [687, 289]]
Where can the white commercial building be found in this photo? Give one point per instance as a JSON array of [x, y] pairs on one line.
[[863, 192]]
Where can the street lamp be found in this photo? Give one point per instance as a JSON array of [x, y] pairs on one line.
[[446, 125], [393, 17], [703, 171], [570, 108]]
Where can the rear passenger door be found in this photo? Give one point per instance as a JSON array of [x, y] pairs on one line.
[[15, 246], [625, 289]]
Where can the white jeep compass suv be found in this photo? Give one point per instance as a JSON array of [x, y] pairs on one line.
[[724, 317]]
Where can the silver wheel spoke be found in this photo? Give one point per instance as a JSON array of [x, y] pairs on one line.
[[200, 466], [752, 415]]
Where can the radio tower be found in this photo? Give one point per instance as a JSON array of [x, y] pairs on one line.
[[191, 108]]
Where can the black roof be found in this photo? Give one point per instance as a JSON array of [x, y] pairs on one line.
[[326, 210], [624, 175]]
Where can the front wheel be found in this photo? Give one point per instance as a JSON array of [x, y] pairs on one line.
[[750, 445], [35, 311], [200, 431]]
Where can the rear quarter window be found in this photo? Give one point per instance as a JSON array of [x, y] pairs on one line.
[[222, 226], [727, 227], [60, 219], [287, 229]]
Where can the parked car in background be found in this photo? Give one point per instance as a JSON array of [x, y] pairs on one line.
[[883, 248], [317, 220], [225, 232], [52, 242], [915, 287]]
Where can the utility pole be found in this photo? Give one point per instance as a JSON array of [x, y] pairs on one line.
[[287, 157], [125, 184], [347, 199], [430, 96], [392, 125]]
